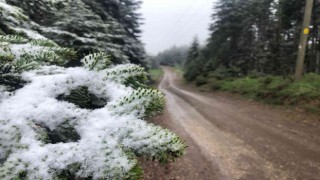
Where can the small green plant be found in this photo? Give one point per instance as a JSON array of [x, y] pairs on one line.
[[200, 80]]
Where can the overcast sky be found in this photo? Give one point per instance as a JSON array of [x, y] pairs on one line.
[[174, 22]]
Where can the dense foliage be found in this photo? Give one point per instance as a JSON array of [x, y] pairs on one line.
[[73, 113], [192, 63], [86, 25], [79, 122], [256, 37]]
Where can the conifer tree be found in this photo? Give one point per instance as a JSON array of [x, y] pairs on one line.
[[192, 65], [86, 25], [81, 122], [258, 37]]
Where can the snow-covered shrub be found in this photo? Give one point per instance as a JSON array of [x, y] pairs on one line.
[[19, 54], [81, 122]]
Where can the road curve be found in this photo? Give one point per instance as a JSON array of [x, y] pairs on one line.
[[244, 140]]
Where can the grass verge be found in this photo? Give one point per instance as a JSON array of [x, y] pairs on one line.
[[178, 70], [155, 75], [271, 89]]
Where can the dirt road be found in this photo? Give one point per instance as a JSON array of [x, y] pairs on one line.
[[243, 140]]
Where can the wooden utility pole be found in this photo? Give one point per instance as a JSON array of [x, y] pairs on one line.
[[318, 62], [303, 40]]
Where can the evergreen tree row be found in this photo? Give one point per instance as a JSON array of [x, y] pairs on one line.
[[86, 25], [255, 36]]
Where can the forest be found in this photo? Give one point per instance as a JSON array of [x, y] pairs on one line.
[[252, 50], [257, 37], [77, 101]]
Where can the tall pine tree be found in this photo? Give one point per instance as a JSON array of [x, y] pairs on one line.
[[192, 65]]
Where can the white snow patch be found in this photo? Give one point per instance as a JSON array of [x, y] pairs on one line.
[[30, 33], [104, 133]]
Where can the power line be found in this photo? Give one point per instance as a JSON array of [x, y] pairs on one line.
[[181, 17], [185, 12], [176, 35], [190, 20]]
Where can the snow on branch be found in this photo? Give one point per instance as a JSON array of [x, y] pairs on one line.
[[82, 122]]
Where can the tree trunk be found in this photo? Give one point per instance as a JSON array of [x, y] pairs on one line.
[[318, 62], [303, 40]]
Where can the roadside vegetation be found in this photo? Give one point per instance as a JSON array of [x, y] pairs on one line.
[[276, 90], [252, 50], [155, 75], [178, 70]]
